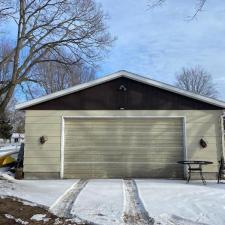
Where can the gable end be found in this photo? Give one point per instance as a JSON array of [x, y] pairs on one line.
[[123, 93]]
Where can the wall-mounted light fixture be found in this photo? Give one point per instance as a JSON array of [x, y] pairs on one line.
[[43, 139], [203, 143], [122, 88]]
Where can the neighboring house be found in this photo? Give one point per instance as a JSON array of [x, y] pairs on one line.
[[16, 138], [121, 125]]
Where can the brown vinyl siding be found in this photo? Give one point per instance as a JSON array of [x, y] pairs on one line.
[[139, 96]]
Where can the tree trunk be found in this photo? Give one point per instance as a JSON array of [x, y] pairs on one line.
[[7, 98]]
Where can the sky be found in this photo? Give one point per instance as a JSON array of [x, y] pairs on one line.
[[157, 43]]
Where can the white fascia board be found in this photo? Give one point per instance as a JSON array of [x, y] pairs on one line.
[[67, 91], [176, 90], [117, 75]]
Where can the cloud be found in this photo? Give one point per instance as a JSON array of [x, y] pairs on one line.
[[159, 42]]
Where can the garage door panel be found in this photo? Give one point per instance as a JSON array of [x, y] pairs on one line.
[[121, 129], [123, 159], [113, 158], [134, 141], [128, 136], [123, 147], [123, 121], [118, 170], [117, 146], [127, 149], [118, 154]]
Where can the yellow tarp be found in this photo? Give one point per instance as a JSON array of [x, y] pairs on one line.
[[5, 160]]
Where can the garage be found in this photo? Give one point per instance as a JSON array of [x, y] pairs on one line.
[[119, 126], [123, 147]]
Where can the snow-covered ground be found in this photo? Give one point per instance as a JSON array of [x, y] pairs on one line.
[[102, 201], [12, 149], [9, 147], [44, 192], [196, 202]]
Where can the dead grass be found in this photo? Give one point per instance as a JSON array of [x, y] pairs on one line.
[[14, 211]]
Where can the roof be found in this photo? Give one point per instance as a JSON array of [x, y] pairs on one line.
[[17, 135], [113, 76]]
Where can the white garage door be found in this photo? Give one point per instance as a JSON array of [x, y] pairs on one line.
[[123, 147]]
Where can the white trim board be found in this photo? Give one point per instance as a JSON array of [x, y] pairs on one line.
[[62, 148], [113, 76], [185, 156]]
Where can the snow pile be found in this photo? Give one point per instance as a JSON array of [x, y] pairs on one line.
[[40, 217], [7, 176]]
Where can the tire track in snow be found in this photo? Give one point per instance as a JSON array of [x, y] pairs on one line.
[[177, 220], [63, 205], [134, 210]]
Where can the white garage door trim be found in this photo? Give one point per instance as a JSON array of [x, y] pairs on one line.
[[114, 117]]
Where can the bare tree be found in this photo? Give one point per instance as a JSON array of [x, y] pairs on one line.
[[50, 26], [52, 76], [6, 9], [196, 80], [199, 5], [16, 117], [6, 68]]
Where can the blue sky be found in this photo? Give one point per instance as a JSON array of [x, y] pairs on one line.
[[158, 43]]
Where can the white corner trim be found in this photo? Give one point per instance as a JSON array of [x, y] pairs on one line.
[[185, 144], [222, 135], [62, 148], [117, 75]]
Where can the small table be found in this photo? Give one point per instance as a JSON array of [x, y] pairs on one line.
[[195, 166]]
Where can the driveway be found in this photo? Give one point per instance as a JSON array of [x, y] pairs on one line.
[[114, 202]]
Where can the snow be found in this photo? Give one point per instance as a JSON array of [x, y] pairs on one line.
[[6, 175], [8, 148], [101, 201], [40, 217], [177, 200], [13, 153], [57, 221], [44, 192], [63, 205]]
